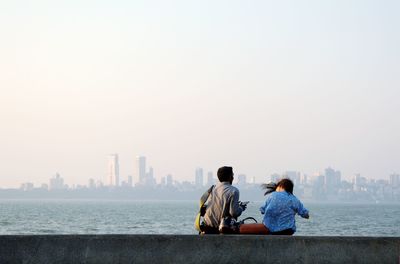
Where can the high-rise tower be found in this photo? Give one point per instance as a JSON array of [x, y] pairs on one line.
[[199, 178], [141, 169], [113, 170]]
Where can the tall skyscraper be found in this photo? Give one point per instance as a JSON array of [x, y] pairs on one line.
[[169, 180], [199, 177], [359, 182], [141, 169], [330, 179], [210, 178], [338, 177], [150, 180], [113, 170]]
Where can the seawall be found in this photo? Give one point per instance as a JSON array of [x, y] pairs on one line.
[[197, 249]]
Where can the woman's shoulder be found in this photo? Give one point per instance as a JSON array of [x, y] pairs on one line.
[[286, 196], [279, 195], [294, 198]]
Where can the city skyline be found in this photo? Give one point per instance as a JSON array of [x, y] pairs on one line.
[[326, 187], [143, 175]]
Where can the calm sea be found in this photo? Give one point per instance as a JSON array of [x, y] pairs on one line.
[[176, 217]]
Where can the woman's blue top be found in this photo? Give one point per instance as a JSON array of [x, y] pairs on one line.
[[279, 211]]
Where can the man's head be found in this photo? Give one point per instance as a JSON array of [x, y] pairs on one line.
[[225, 174]]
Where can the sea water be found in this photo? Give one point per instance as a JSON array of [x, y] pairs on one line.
[[177, 217]]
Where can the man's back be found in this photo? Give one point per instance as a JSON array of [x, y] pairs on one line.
[[223, 197]]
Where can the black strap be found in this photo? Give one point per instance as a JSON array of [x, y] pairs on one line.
[[248, 218], [205, 195], [210, 189]]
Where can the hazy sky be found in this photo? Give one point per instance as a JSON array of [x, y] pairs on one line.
[[264, 86]]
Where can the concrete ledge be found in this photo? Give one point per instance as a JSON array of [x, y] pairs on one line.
[[197, 249]]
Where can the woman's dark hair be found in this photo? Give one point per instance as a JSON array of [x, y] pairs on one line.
[[225, 174], [286, 184], [268, 187]]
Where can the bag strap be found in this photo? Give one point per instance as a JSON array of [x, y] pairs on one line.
[[205, 196]]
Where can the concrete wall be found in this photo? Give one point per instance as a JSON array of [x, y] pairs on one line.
[[196, 249]]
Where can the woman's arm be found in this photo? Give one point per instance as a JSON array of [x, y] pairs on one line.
[[264, 207], [302, 211]]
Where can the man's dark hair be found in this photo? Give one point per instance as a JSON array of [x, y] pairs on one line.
[[286, 184], [225, 173]]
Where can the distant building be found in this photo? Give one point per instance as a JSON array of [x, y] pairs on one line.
[[307, 192], [130, 181], [141, 169], [359, 183], [210, 178], [332, 180], [99, 184], [330, 177], [28, 186], [199, 181], [150, 180], [318, 191], [338, 178], [113, 170], [57, 183], [169, 180], [92, 184], [241, 179], [163, 181]]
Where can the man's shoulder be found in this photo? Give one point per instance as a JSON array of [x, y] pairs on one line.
[[227, 187], [234, 189]]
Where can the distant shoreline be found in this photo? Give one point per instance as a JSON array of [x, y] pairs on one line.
[[77, 199]]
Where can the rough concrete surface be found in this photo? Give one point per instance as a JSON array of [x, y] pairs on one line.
[[197, 249]]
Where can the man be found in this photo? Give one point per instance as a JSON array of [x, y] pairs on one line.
[[223, 201]]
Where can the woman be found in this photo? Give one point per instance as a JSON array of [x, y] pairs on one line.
[[279, 211]]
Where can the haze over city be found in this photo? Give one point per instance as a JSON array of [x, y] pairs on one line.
[[263, 86]]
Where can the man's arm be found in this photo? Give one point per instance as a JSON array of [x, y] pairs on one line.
[[234, 209]]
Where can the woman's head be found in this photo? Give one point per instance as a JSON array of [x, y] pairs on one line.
[[285, 184]]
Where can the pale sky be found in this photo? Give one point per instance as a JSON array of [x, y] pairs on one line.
[[263, 86]]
